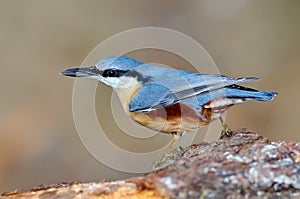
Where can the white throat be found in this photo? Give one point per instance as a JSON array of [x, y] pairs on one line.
[[126, 87], [110, 81], [119, 82]]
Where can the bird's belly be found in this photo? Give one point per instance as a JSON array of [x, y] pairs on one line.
[[171, 119]]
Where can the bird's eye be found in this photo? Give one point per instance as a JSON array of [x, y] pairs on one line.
[[109, 73]]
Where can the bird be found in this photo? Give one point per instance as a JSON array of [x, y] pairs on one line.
[[169, 100]]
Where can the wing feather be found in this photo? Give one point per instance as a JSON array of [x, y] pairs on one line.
[[153, 95]]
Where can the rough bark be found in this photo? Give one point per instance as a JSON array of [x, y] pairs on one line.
[[245, 165]]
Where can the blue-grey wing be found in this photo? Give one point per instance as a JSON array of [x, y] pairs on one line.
[[197, 84], [165, 92], [150, 96]]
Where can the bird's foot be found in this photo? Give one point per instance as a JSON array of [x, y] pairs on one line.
[[168, 158], [226, 131]]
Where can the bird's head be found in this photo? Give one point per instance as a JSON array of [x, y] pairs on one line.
[[109, 70]]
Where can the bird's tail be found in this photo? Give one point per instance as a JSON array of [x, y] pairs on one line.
[[240, 92]]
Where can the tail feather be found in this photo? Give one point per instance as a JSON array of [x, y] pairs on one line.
[[240, 92]]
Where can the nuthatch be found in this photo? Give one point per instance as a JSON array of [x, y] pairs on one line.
[[169, 100]]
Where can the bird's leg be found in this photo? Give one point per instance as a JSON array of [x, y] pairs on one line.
[[226, 131], [170, 152], [176, 137]]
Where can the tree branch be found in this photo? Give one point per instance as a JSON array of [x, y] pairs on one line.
[[244, 165]]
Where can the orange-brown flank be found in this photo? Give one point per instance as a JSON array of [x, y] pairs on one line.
[[171, 119]]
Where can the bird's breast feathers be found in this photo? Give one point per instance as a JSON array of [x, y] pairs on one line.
[[127, 89], [168, 119]]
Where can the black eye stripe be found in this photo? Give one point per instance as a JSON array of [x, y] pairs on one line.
[[119, 73], [113, 73], [137, 75], [109, 73]]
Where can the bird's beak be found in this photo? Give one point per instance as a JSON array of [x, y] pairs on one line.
[[80, 72]]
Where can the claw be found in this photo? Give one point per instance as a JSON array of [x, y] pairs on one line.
[[168, 158], [226, 131]]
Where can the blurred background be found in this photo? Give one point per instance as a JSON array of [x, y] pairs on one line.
[[38, 140]]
